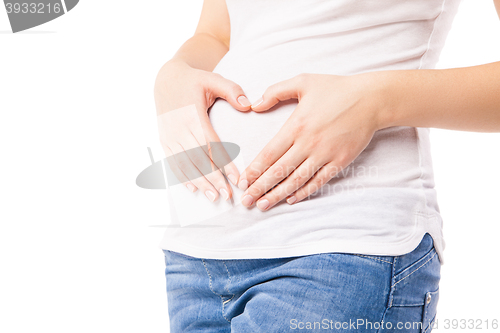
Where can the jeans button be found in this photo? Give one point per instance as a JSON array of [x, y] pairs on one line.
[[428, 298]]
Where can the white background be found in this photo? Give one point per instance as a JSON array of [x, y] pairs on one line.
[[77, 250]]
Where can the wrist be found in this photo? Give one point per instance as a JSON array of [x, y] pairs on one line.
[[172, 66], [169, 71], [384, 91]]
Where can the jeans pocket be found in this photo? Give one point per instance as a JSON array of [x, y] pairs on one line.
[[414, 292], [416, 280], [430, 310]]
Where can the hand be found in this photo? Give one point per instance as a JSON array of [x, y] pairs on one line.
[[334, 121], [183, 95]]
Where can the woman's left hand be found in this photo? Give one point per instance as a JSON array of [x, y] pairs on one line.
[[334, 121]]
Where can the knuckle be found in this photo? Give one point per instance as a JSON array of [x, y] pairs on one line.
[[316, 140], [255, 191], [196, 159], [267, 154], [289, 188], [298, 128], [251, 174], [319, 181], [297, 179], [343, 160], [333, 171], [182, 165], [273, 197], [313, 188], [279, 172], [270, 91], [315, 183], [234, 88]]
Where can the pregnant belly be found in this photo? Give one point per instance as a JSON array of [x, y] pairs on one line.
[[251, 131], [392, 159]]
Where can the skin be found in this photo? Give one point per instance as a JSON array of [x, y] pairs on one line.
[[337, 116], [325, 134], [187, 79]]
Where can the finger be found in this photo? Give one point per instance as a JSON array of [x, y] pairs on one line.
[[222, 163], [291, 184], [218, 154], [323, 176], [281, 91], [184, 162], [275, 148], [176, 172], [228, 90], [198, 135], [274, 175], [201, 158], [212, 170]]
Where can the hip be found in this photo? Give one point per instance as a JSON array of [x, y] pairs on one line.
[[327, 289]]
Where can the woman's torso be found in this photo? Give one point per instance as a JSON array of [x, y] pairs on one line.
[[385, 201]]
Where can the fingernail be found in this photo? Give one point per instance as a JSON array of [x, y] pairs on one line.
[[291, 200], [243, 184], [243, 100], [191, 187], [257, 102], [210, 195], [233, 179], [247, 200], [263, 204], [224, 193]]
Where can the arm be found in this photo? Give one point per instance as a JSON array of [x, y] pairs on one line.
[[466, 99], [200, 54], [185, 88], [210, 41], [337, 116]]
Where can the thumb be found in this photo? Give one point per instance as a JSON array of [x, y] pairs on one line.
[[230, 91], [278, 92]]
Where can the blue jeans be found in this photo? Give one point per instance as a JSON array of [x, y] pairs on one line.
[[334, 292]]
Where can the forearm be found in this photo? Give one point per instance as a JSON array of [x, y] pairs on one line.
[[466, 99], [202, 51]]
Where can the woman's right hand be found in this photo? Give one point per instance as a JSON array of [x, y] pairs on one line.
[[183, 96]]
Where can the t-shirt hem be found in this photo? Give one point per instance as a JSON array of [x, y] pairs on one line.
[[357, 247]]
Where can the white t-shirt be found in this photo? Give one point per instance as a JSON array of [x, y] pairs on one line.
[[385, 201]]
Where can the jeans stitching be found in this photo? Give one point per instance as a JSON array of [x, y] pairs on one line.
[[393, 279], [211, 288], [227, 287], [390, 298], [422, 258], [416, 269], [426, 311], [360, 255]]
